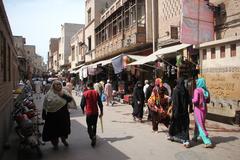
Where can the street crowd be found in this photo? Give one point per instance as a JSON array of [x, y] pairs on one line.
[[170, 109]]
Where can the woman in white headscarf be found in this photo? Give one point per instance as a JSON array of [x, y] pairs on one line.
[[56, 115]]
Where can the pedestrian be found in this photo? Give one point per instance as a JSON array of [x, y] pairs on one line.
[[38, 88], [158, 104], [138, 101], [108, 92], [148, 94], [56, 115], [69, 86], [146, 82], [179, 125], [90, 103], [200, 99], [44, 83]]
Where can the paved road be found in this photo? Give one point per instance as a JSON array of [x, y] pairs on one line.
[[125, 139]]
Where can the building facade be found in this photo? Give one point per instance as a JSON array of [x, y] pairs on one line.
[[78, 49], [53, 55], [220, 59], [9, 76], [93, 9], [67, 31], [122, 29], [19, 43]]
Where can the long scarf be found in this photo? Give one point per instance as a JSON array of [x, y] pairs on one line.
[[201, 83], [53, 102]]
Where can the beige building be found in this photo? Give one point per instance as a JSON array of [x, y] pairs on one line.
[[168, 22], [19, 43], [78, 49], [67, 31], [53, 55], [220, 59], [93, 8]]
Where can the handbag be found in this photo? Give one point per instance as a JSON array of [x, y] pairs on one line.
[[72, 105]]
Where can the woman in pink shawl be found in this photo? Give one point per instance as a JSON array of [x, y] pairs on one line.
[[200, 99]]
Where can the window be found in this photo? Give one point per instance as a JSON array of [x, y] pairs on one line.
[[222, 51], [73, 53], [204, 52], [233, 50], [89, 43], [89, 15], [213, 53], [114, 28]]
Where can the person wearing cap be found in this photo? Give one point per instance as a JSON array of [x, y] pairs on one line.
[[90, 103]]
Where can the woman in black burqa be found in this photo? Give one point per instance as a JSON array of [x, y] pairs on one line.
[[138, 101], [179, 126]]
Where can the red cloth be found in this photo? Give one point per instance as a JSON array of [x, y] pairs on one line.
[[91, 97]]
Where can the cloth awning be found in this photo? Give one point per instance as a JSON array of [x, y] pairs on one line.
[[154, 56]]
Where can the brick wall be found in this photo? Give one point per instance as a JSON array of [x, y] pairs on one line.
[[8, 67]]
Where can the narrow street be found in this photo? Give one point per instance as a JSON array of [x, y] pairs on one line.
[[124, 139]]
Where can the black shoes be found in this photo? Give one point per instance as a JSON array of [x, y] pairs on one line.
[[93, 143], [65, 142]]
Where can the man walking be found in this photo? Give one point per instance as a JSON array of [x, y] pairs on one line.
[[108, 92], [89, 104]]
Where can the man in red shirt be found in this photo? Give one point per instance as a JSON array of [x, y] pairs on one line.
[[89, 104]]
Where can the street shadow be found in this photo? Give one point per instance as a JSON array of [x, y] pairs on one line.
[[220, 139], [215, 140], [112, 140], [76, 113], [80, 148]]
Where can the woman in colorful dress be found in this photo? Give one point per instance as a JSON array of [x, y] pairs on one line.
[[158, 104], [200, 99]]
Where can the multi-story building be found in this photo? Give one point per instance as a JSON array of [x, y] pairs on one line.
[[19, 43], [220, 59], [38, 68], [78, 48], [122, 29], [67, 31], [9, 76], [53, 56], [30, 51], [93, 8]]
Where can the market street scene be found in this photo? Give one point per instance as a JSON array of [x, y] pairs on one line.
[[120, 79]]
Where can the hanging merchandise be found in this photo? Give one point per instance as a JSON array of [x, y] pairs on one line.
[[173, 70], [168, 70], [117, 64], [179, 60]]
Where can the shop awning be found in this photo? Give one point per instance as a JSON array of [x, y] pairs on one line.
[[154, 56]]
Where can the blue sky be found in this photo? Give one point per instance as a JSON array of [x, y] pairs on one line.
[[40, 20]]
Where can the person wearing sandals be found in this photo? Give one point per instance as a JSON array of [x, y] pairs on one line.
[[56, 115], [200, 99], [179, 125]]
